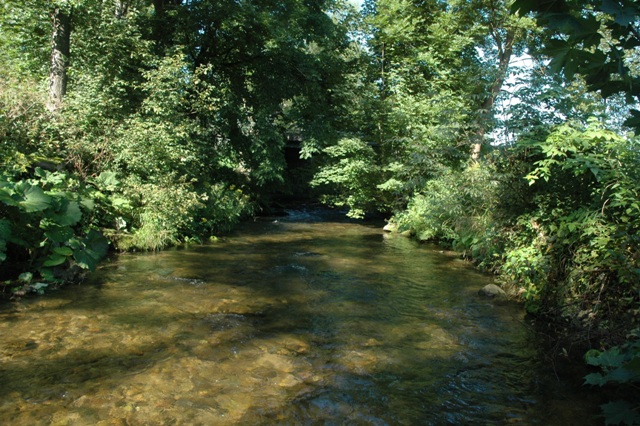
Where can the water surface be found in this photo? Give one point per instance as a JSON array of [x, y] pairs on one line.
[[298, 321]]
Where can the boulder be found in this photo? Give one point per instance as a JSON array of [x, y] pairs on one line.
[[390, 227], [492, 290]]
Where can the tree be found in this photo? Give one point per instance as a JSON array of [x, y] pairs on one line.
[[504, 36], [60, 51], [598, 40]]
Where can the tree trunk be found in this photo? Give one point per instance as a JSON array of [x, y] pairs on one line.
[[505, 51], [60, 50], [121, 8]]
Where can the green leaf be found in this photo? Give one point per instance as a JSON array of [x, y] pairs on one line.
[[623, 15], [6, 197], [107, 180], [595, 379], [39, 287], [88, 203], [47, 274], [55, 260], [58, 234], [64, 251], [95, 247], [119, 202], [523, 7], [97, 242], [611, 358], [25, 277], [70, 216], [85, 259], [35, 200], [621, 375], [617, 412]]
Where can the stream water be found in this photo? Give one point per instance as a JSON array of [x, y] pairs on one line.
[[305, 320]]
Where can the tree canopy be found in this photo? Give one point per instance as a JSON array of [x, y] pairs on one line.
[[138, 124]]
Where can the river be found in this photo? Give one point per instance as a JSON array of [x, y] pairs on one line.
[[300, 320]]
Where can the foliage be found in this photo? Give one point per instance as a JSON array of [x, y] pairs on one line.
[[174, 121], [589, 217], [568, 243], [598, 40], [22, 119], [432, 77], [46, 227], [352, 175], [455, 208], [620, 366], [178, 114]]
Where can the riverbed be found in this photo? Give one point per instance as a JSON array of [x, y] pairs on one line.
[[306, 319]]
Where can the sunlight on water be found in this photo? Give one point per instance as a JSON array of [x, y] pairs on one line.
[[290, 321]]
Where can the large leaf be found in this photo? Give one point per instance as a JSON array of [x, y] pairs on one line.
[[63, 251], [6, 196], [57, 233], [525, 6], [71, 214], [95, 247], [86, 259], [611, 358], [97, 242], [55, 260], [595, 379], [88, 203], [587, 31], [623, 14], [622, 375], [620, 412], [34, 199], [107, 181]]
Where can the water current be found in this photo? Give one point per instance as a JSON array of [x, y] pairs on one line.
[[302, 320]]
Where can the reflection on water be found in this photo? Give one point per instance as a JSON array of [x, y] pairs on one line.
[[296, 322]]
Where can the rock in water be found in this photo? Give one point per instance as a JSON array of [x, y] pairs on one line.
[[492, 290], [390, 227]]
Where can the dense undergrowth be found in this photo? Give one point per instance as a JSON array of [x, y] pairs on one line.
[[175, 118], [558, 221]]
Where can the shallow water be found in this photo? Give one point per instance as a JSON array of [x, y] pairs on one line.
[[298, 321]]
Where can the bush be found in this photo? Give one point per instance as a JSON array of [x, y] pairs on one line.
[[455, 208], [47, 229]]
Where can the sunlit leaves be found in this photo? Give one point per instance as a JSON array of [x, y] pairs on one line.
[[31, 197], [45, 215], [351, 176], [595, 39]]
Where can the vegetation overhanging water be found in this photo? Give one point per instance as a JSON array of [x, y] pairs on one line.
[[165, 121]]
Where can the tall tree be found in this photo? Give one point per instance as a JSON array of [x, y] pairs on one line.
[[503, 35], [60, 52]]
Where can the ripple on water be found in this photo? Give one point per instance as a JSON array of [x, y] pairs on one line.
[[284, 323]]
